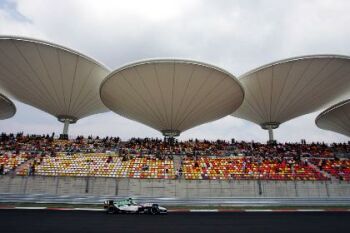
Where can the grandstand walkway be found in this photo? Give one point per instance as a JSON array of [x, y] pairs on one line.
[[23, 166], [177, 162], [326, 174]]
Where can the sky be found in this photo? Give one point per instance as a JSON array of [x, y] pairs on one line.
[[235, 35]]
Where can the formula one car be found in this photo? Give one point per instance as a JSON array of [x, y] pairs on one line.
[[129, 206]]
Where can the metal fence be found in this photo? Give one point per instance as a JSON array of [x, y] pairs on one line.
[[88, 199]]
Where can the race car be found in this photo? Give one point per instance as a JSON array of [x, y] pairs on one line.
[[129, 206]]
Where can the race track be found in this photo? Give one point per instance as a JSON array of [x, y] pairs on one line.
[[52, 221]]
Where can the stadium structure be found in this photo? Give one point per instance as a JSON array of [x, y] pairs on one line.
[[171, 95], [7, 108], [52, 78], [336, 118], [286, 89]]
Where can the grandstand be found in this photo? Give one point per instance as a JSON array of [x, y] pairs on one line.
[[338, 168], [104, 165], [221, 168], [154, 159], [43, 165], [247, 168], [171, 96], [9, 162]]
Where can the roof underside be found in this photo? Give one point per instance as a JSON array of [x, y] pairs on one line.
[[171, 95], [336, 118], [287, 89], [7, 108], [55, 79]]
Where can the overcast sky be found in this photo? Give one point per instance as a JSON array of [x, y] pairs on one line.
[[234, 35]]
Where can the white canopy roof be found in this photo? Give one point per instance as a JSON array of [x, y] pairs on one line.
[[7, 108], [283, 90], [53, 78], [336, 118], [171, 95]]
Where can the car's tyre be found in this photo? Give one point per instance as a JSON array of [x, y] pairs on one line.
[[154, 210], [111, 210]]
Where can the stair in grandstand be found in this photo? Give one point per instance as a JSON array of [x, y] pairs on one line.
[[177, 162], [23, 168], [326, 174]]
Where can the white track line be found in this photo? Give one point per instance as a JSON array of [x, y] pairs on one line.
[[30, 208], [310, 210], [200, 210], [88, 209], [258, 210]]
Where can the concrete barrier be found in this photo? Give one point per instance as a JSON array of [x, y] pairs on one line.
[[185, 189]]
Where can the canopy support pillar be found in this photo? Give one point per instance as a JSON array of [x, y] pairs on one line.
[[271, 139], [65, 127], [270, 126], [66, 120]]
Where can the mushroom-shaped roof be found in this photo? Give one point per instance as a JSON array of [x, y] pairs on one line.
[[283, 90], [55, 79], [336, 118], [171, 95], [7, 108]]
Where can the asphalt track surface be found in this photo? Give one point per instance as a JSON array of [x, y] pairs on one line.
[[84, 221]]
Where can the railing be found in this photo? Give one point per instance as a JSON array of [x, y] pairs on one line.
[[238, 201]]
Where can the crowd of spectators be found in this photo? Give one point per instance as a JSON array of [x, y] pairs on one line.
[[267, 168], [16, 149], [157, 146], [339, 168], [48, 145], [25, 153]]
